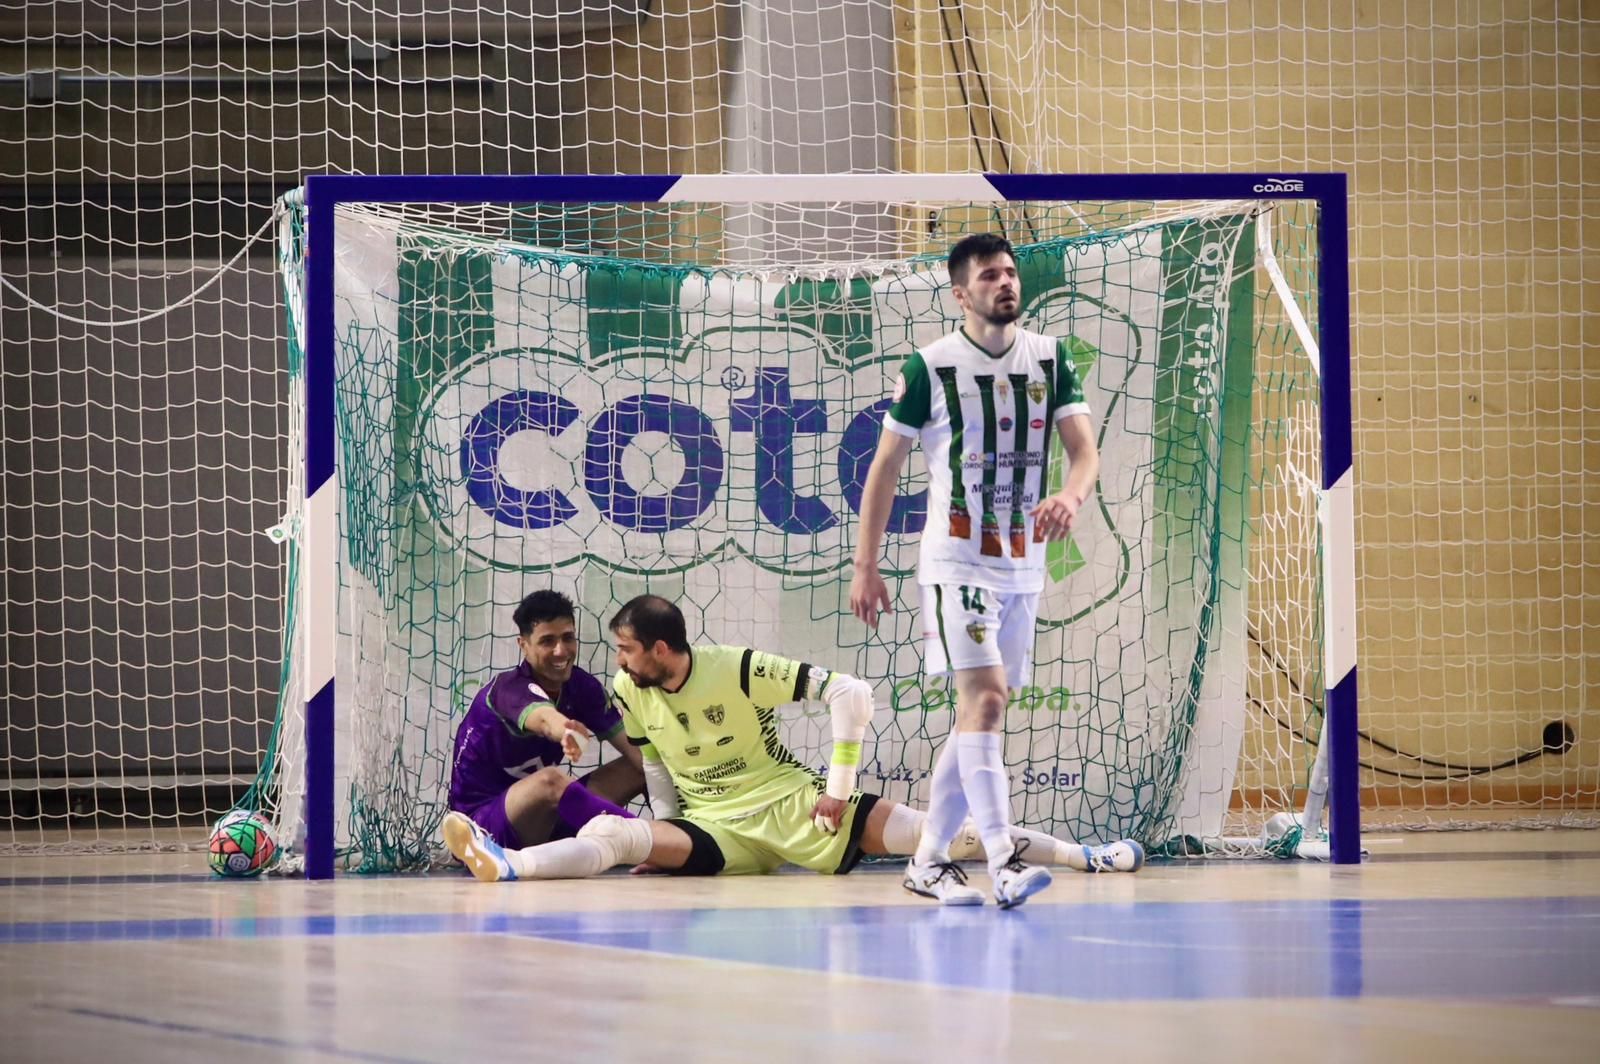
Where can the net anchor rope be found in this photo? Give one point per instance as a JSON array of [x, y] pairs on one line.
[[216, 275]]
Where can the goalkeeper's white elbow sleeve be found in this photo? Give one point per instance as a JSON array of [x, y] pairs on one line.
[[662, 791], [850, 705]]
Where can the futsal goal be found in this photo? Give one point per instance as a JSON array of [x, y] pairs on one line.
[[612, 385]]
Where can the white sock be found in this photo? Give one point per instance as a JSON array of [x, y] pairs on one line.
[[988, 790], [1042, 848], [947, 805], [562, 859], [903, 830], [602, 843]]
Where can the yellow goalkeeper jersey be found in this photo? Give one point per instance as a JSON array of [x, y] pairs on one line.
[[718, 735]]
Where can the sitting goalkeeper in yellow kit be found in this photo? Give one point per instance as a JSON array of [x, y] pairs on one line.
[[727, 797]]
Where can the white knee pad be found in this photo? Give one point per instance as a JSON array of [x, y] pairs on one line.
[[624, 839]]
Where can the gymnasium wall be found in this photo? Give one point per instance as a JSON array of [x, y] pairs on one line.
[[1471, 134]]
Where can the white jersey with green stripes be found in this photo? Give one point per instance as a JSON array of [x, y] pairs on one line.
[[985, 423]]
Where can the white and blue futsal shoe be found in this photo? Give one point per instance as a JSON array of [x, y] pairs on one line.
[[476, 849], [1124, 855]]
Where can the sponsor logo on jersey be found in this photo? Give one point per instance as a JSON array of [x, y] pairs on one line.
[[725, 740], [717, 772], [1037, 423], [1005, 424], [692, 751]]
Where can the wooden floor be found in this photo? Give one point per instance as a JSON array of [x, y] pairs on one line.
[[1451, 947]]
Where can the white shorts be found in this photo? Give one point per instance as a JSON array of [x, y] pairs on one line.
[[971, 627]]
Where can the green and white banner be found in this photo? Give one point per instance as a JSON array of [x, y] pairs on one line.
[[513, 418]]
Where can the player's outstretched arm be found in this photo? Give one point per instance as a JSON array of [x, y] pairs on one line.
[[850, 708], [550, 723], [869, 595]]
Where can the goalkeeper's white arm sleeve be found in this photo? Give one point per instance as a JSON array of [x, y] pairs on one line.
[[663, 792], [850, 705]]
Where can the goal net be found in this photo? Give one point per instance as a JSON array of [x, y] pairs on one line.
[[144, 396], [684, 398]]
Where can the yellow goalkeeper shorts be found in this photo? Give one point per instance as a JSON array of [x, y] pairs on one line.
[[782, 833]]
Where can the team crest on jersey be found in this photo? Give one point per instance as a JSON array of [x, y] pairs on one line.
[[1036, 391], [976, 632], [715, 714], [683, 719]]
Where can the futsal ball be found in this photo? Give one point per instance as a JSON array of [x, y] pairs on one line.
[[241, 845]]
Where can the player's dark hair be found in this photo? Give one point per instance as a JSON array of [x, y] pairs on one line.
[[543, 606], [980, 246], [653, 619]]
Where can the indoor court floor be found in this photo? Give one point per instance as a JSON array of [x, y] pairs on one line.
[[1442, 946]]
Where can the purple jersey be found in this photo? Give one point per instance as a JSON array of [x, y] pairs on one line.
[[493, 752]]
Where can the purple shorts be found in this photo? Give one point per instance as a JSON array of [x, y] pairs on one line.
[[491, 817]]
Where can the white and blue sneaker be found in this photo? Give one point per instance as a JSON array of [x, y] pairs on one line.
[[1124, 855], [476, 849], [1017, 881]]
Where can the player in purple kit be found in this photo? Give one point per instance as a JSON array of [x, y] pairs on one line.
[[506, 773]]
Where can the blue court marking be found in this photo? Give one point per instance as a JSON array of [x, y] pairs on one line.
[[1533, 948], [118, 880], [1524, 949], [875, 864]]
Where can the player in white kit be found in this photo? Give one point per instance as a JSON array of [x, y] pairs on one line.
[[983, 402]]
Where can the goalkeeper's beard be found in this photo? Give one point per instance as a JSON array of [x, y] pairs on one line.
[[641, 680]]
